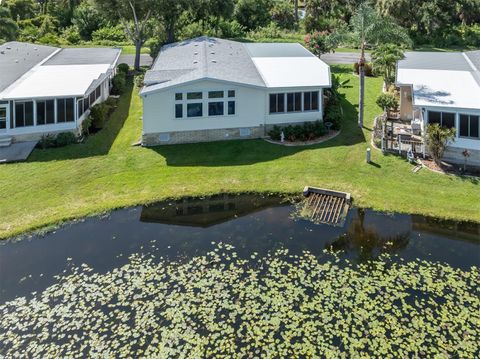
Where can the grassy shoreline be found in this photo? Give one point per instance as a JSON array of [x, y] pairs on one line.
[[107, 173]]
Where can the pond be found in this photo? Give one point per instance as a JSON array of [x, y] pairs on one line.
[[241, 275]]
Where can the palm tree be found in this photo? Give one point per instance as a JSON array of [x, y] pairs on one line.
[[367, 27], [8, 27], [384, 59]]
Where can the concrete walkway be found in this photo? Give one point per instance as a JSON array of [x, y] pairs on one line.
[[18, 151]]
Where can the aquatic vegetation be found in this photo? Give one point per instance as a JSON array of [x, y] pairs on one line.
[[277, 305]]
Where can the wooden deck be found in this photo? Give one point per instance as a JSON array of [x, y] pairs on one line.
[[326, 206]]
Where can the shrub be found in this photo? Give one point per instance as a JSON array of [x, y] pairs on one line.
[[49, 39], [138, 80], [86, 126], [333, 113], [65, 139], [437, 139], [109, 35], [123, 68], [252, 14], [231, 29], [71, 35], [118, 84], [304, 132], [98, 116], [271, 31], [367, 68], [46, 141], [387, 101]]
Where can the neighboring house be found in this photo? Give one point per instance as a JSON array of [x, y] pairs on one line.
[[444, 88], [208, 89], [46, 89]]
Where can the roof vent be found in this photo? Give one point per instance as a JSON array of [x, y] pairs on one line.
[[195, 53], [214, 61], [212, 53], [195, 62]]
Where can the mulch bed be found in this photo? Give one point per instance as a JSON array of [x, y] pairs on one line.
[[316, 141], [449, 168]]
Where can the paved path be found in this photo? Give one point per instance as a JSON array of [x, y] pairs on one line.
[[343, 58], [17, 151], [145, 60]]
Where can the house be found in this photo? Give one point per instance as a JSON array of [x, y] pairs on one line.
[[46, 89], [208, 89], [443, 88]]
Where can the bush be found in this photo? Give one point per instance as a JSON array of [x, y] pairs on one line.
[[333, 113], [109, 35], [46, 141], [123, 68], [71, 35], [230, 29], [320, 43], [118, 84], [65, 139], [98, 116], [271, 31], [305, 132], [367, 67], [86, 126], [252, 14], [49, 39], [138, 80], [387, 101]]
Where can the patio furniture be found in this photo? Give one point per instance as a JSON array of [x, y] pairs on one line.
[[416, 127]]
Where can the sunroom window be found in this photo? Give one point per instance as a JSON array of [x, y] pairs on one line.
[[195, 109], [444, 119], [469, 126], [24, 114], [45, 112], [277, 102]]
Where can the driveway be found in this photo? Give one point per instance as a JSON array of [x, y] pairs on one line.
[[145, 60], [342, 58]]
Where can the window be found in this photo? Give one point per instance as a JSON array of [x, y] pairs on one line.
[[310, 101], [45, 112], [231, 107], [92, 97], [231, 93], [469, 126], [97, 92], [194, 96], [215, 109], [23, 114], [294, 102], [277, 102], [178, 110], [194, 110], [178, 96], [444, 119], [86, 104], [3, 118], [65, 110], [215, 94]]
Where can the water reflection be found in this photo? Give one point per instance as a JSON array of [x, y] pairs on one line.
[[249, 222]]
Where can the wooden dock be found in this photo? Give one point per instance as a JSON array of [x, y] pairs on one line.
[[326, 206]]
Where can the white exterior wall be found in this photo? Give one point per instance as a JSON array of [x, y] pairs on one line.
[[251, 109], [464, 143]]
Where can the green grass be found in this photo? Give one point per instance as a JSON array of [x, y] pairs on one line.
[[126, 49], [107, 172]]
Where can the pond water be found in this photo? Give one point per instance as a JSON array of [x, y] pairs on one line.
[[257, 227]]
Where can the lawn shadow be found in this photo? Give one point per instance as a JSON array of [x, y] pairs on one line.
[[374, 164], [98, 144]]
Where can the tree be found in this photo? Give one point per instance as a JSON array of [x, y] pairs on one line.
[[87, 19], [253, 14], [22, 9], [283, 14], [384, 59], [134, 15], [369, 28], [168, 12], [437, 138], [8, 27], [320, 43]]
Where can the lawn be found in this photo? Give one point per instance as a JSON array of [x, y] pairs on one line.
[[107, 172]]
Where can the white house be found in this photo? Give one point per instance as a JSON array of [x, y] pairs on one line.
[[444, 88], [45, 89], [208, 89]]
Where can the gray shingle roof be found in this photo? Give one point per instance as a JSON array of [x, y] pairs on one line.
[[84, 56], [203, 57], [277, 50], [474, 57], [453, 61], [16, 58]]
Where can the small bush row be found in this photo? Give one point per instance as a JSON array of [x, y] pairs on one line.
[[99, 115], [57, 140], [306, 132], [119, 81], [333, 113]]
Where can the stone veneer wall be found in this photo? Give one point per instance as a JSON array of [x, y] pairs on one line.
[[454, 154], [153, 139]]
